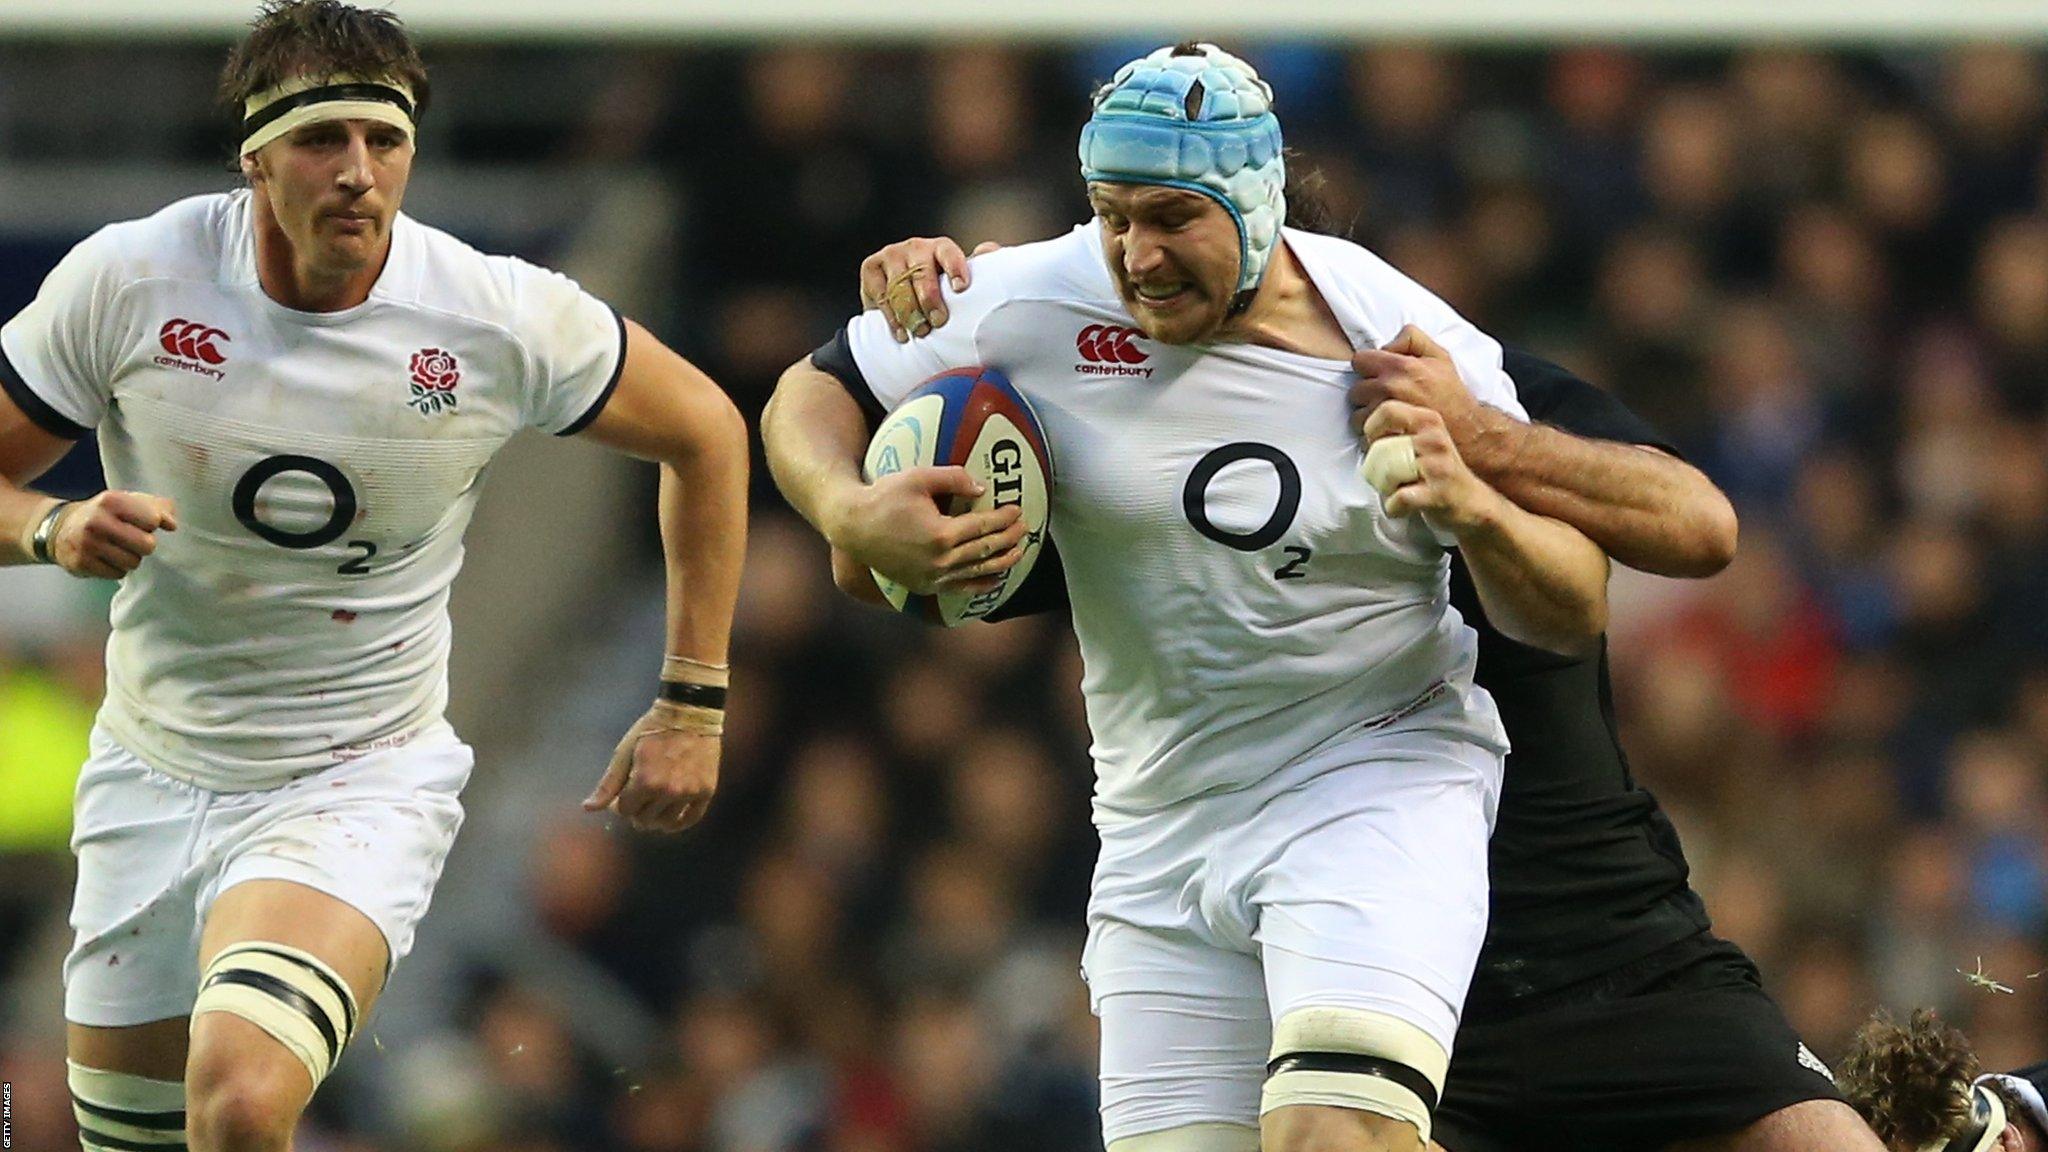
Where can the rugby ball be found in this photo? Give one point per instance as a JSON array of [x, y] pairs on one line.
[[973, 418]]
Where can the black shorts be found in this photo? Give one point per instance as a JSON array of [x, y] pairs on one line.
[[1680, 1045]]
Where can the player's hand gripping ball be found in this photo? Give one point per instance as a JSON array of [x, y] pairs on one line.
[[970, 418]]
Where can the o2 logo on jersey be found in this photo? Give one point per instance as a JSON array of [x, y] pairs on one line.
[[1194, 502], [1110, 350], [435, 373], [250, 510], [193, 346]]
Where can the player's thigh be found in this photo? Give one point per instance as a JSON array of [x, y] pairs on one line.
[[372, 834], [1184, 1031], [1683, 1045], [305, 919], [289, 972], [127, 1086], [1374, 896], [1801, 1127], [155, 1050], [133, 915], [1369, 917], [1324, 1128], [318, 890]]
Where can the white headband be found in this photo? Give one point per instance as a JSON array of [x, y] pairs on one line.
[[1987, 1120], [311, 99]]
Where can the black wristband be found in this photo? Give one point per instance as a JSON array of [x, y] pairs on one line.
[[694, 695]]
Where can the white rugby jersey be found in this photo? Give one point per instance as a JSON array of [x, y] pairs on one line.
[[324, 467], [1240, 596]]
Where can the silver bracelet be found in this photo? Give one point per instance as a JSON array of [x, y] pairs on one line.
[[39, 540]]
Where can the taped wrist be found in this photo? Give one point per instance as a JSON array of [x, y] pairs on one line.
[[685, 670], [667, 716], [692, 697]]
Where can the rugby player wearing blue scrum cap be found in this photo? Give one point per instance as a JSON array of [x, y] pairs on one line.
[[1653, 1033], [1296, 774]]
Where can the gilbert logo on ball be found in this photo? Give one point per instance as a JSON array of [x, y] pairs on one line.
[[973, 418]]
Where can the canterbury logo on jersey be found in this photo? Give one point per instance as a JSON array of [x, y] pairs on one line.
[[193, 347], [1110, 350]]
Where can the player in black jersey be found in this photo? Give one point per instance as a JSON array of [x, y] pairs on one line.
[[1922, 1088], [1604, 1016]]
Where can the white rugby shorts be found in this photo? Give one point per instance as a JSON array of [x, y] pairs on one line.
[[155, 852], [1353, 878]]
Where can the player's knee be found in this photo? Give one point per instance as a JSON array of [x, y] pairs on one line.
[[117, 1112], [1379, 1069], [246, 1109]]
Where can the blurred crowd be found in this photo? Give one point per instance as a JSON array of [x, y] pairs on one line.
[[1823, 275]]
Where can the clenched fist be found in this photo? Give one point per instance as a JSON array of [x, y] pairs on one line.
[[1435, 481], [111, 534]]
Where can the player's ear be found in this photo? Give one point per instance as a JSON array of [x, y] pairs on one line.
[[250, 168]]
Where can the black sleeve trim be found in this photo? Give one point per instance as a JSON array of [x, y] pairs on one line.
[[610, 386], [1045, 590], [835, 359], [33, 406], [1554, 395]]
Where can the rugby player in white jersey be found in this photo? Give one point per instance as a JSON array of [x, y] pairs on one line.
[[1295, 773], [296, 391]]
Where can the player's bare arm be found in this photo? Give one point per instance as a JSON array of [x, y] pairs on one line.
[[664, 772], [858, 582], [900, 525], [107, 535], [1541, 581], [1648, 509]]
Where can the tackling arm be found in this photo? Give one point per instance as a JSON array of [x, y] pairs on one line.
[[1540, 580], [1648, 509]]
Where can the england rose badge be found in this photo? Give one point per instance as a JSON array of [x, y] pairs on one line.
[[435, 372]]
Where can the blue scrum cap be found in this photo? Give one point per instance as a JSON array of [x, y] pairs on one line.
[[1198, 118]]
